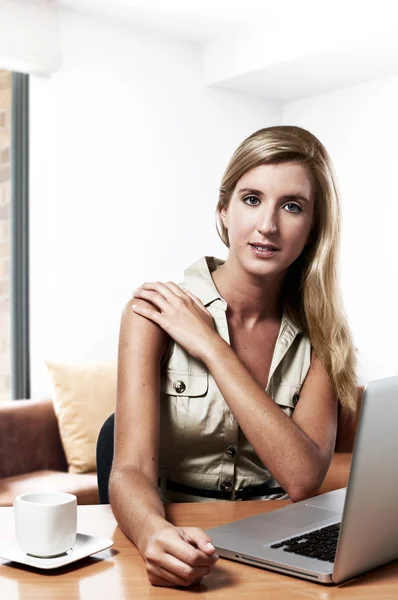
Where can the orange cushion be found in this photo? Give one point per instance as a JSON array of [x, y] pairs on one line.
[[84, 395]]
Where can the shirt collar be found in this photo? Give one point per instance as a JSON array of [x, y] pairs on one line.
[[199, 281]]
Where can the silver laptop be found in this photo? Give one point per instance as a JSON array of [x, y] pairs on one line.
[[338, 535]]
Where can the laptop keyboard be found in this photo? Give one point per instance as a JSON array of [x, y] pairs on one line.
[[320, 544]]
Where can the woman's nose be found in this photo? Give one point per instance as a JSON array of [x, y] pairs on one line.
[[267, 224]]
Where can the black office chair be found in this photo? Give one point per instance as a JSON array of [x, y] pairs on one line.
[[104, 457]]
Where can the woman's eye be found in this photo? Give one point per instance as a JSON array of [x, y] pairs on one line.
[[295, 206], [248, 197]]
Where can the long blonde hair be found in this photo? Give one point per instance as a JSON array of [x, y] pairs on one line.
[[311, 293]]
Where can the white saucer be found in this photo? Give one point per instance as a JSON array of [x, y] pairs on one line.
[[85, 545]]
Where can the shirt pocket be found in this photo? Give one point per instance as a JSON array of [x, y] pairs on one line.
[[180, 384], [287, 395], [184, 399]]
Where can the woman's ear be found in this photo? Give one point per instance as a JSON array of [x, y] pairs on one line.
[[224, 216]]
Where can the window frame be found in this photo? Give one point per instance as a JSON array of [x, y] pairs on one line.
[[19, 230]]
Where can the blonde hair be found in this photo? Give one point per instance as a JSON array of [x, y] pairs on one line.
[[311, 293]]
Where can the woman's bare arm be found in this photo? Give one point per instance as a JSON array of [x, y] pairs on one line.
[[133, 485], [173, 555], [297, 450]]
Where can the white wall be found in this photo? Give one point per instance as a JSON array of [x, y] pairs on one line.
[[127, 153], [359, 127]]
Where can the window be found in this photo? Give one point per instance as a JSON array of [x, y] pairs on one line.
[[14, 326], [5, 244]]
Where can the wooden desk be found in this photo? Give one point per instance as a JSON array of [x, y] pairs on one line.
[[119, 572]]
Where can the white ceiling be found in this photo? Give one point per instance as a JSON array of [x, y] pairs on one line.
[[192, 20], [282, 50]]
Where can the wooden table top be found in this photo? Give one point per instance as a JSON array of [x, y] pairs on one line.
[[119, 572]]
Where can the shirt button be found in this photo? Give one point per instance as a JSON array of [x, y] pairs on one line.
[[179, 386], [230, 451], [226, 486]]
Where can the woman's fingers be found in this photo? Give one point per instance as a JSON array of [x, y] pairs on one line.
[[159, 294], [167, 290], [164, 295], [171, 557], [197, 301], [187, 553], [156, 298], [147, 310], [159, 576], [175, 288], [200, 304], [180, 570], [202, 540]]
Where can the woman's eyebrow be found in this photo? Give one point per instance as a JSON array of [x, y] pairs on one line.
[[260, 193]]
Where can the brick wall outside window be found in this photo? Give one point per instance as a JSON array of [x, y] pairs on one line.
[[5, 283]]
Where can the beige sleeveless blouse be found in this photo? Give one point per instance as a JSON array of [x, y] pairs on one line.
[[201, 444]]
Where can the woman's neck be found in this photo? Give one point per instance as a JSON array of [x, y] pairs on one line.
[[249, 301]]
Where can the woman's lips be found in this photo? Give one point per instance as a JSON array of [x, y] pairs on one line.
[[265, 253]]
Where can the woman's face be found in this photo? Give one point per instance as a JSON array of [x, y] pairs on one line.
[[261, 211]]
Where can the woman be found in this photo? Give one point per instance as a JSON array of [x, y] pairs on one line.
[[248, 356]]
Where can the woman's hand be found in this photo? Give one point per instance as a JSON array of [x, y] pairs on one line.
[[178, 556], [182, 315]]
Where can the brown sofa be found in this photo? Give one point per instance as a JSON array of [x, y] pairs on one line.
[[32, 456]]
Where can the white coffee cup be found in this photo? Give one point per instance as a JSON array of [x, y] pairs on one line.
[[45, 522]]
